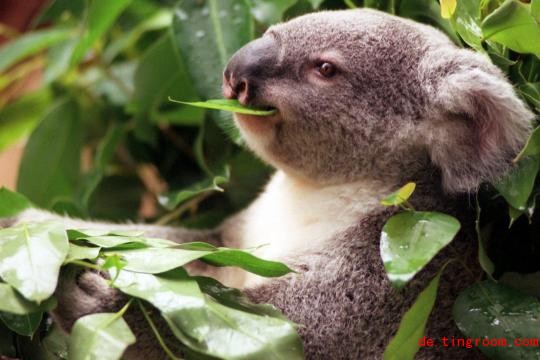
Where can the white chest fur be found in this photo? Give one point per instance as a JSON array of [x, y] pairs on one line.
[[292, 217]]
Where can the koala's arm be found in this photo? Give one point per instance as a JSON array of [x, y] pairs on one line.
[[340, 296], [176, 234]]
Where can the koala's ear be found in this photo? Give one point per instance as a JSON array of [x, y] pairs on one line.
[[476, 124]]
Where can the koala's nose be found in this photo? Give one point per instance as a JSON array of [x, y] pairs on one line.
[[248, 68]]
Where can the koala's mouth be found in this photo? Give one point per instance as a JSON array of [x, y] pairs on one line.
[[256, 124]]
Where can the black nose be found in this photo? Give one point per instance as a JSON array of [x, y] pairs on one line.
[[248, 68]]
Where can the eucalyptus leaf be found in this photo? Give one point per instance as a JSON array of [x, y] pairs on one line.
[[400, 196], [76, 234], [412, 327], [315, 3], [103, 157], [410, 240], [100, 16], [30, 257], [77, 252], [55, 344], [30, 44], [234, 298], [21, 116], [246, 261], [495, 311], [426, 11], [208, 34], [157, 260], [14, 303], [158, 75], [232, 105], [531, 93], [53, 152], [518, 185], [532, 148], [172, 199], [99, 336], [25, 325], [270, 11], [234, 334], [12, 203], [447, 8], [466, 20], [513, 25], [115, 241]]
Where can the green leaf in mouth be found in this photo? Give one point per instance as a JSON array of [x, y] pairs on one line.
[[227, 105]]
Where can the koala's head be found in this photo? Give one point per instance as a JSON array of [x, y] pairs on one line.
[[362, 94]]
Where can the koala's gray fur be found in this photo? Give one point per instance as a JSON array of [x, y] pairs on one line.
[[405, 105]]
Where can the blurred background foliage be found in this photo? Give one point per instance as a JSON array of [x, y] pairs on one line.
[[104, 141]]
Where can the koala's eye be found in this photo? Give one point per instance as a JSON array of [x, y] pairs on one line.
[[326, 69]]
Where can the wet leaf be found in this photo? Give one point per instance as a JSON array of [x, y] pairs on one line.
[[467, 22], [411, 239], [12, 203], [400, 196], [412, 327], [270, 11], [100, 336], [24, 325], [513, 25], [518, 185], [495, 311], [30, 257], [227, 105], [208, 33], [234, 334]]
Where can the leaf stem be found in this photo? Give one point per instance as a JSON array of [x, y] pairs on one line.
[[169, 217], [156, 333], [86, 264]]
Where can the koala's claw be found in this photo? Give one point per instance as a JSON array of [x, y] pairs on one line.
[[83, 292]]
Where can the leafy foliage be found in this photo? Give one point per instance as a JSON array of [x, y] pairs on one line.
[[105, 142], [205, 318]]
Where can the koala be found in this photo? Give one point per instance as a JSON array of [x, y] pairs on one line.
[[365, 102]]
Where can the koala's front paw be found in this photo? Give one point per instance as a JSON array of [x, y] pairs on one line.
[[83, 292]]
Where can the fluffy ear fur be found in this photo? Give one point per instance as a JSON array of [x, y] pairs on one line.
[[478, 123]]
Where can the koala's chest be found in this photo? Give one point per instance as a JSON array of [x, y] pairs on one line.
[[291, 219]]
